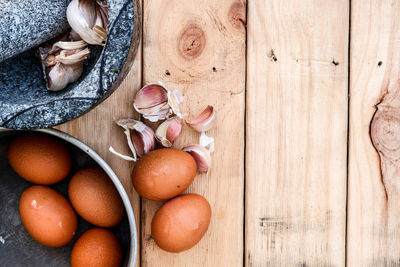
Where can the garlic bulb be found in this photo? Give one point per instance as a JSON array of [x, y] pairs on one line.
[[62, 63], [89, 19]]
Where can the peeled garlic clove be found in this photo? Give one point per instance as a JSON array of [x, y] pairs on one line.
[[168, 131], [60, 75], [140, 137], [201, 156], [204, 121], [86, 19]]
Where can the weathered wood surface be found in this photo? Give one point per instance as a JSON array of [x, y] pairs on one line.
[[296, 133], [198, 47], [373, 183]]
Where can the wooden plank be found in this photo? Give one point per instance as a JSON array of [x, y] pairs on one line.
[[198, 47], [296, 133], [98, 130], [373, 193]]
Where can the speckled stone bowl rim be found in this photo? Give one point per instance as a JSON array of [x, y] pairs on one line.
[[114, 178]]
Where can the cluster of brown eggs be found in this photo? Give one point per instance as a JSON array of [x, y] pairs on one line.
[[50, 218]]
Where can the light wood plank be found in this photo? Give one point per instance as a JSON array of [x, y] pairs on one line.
[[296, 133], [98, 130], [373, 195], [198, 47]]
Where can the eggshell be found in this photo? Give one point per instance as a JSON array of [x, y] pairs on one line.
[[96, 248], [181, 222], [163, 174], [47, 216], [95, 198], [39, 158]]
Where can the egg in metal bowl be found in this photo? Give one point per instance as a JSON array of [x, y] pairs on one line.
[[17, 247]]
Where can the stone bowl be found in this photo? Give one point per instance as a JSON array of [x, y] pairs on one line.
[[25, 102], [17, 247]]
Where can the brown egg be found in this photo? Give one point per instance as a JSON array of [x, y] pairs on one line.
[[47, 216], [163, 174], [181, 222], [95, 198], [39, 158], [96, 248]]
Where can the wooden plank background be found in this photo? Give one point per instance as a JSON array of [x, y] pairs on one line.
[[289, 185], [296, 133], [373, 206]]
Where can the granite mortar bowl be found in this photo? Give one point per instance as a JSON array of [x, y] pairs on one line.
[[17, 248], [25, 102]]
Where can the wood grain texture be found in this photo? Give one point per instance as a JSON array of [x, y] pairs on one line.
[[198, 47], [373, 197], [296, 132], [98, 130]]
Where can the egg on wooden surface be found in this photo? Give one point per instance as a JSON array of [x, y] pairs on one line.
[[163, 174], [181, 222], [96, 248], [95, 198], [39, 158], [47, 216]]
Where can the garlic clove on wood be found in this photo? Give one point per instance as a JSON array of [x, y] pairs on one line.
[[168, 131], [203, 122], [140, 138], [201, 155]]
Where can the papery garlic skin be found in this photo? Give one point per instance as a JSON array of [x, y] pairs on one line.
[[88, 20], [168, 131], [204, 121], [201, 155], [207, 141]]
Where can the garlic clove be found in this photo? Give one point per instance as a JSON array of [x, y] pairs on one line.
[[86, 19], [150, 96], [60, 75], [203, 122], [152, 102], [201, 155], [168, 131], [140, 137]]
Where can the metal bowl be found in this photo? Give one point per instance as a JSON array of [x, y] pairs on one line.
[[25, 102], [17, 248]]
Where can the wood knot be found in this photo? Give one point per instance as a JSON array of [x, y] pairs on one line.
[[191, 42], [237, 15], [385, 133]]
